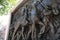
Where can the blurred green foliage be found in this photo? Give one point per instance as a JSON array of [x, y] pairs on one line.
[[5, 6]]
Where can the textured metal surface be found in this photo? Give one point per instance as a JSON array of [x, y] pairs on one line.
[[36, 20]]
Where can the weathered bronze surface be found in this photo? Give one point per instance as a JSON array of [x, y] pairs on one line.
[[36, 20]]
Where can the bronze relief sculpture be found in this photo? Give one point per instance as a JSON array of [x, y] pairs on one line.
[[36, 20]]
